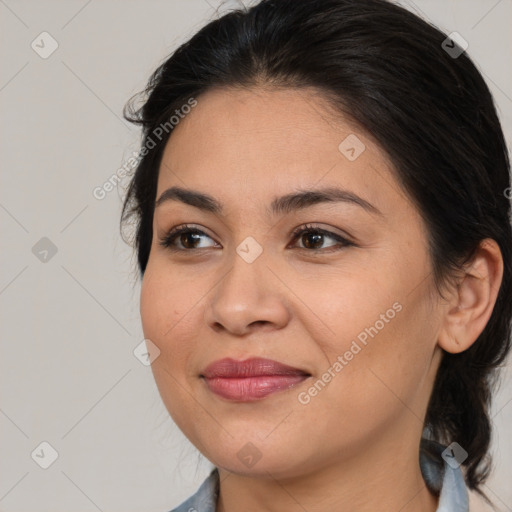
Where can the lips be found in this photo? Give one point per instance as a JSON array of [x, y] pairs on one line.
[[251, 379]]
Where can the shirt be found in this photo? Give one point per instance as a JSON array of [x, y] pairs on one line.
[[443, 479]]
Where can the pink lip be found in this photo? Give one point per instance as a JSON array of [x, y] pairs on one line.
[[251, 379]]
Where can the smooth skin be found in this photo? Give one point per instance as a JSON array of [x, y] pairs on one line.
[[302, 302]]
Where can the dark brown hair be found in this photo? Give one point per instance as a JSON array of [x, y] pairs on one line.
[[430, 111]]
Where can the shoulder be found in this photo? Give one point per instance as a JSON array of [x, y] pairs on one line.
[[205, 498]]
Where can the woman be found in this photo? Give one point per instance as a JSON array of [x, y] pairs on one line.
[[324, 240]]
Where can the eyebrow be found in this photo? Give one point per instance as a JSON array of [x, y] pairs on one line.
[[280, 205]]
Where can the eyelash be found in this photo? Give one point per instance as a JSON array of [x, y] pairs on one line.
[[168, 240]]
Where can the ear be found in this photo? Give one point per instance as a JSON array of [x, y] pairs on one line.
[[471, 304]]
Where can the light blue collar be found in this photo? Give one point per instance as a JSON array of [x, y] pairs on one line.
[[440, 477]]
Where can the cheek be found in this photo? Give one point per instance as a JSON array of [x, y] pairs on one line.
[[165, 301], [154, 307], [168, 321], [383, 338], [387, 361], [167, 316]]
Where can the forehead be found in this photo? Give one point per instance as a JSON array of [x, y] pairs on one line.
[[260, 142], [283, 119]]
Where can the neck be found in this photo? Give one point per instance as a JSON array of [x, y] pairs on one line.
[[387, 476]]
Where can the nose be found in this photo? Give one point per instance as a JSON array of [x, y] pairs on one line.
[[248, 297]]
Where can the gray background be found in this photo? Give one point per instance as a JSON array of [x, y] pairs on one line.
[[70, 324]]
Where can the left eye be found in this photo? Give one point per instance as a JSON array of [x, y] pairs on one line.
[[190, 236], [315, 236]]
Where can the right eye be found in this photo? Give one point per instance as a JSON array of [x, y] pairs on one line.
[[186, 235]]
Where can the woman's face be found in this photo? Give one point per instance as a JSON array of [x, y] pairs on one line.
[[354, 317]]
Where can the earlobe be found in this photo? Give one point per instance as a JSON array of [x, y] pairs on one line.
[[473, 300]]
